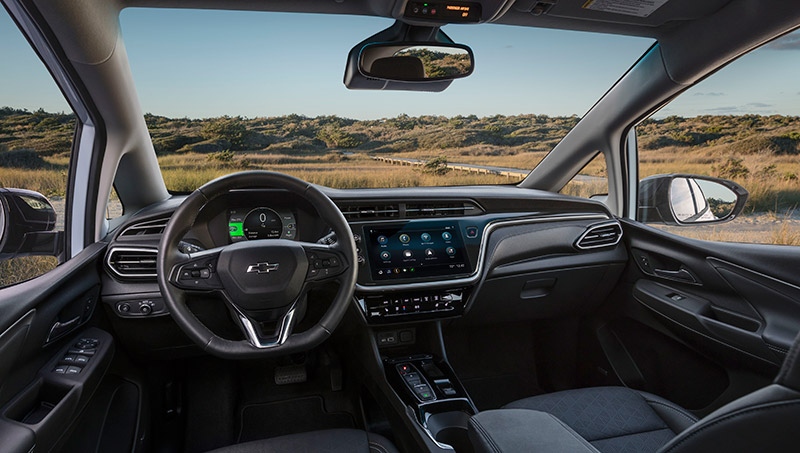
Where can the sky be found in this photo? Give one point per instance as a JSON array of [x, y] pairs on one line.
[[202, 64]]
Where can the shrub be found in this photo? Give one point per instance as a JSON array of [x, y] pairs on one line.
[[225, 156], [732, 168], [337, 138], [232, 130], [436, 166], [21, 158]]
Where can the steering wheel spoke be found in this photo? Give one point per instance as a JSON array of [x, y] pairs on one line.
[[254, 332], [325, 262], [197, 271]]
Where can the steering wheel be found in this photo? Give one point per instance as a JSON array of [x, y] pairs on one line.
[[263, 282]]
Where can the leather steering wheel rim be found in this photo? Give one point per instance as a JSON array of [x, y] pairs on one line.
[[182, 220]]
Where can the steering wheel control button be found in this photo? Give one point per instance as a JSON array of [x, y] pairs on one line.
[[323, 265], [472, 232], [198, 274]]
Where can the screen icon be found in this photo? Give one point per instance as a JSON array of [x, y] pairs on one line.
[[447, 236], [386, 256], [429, 253], [404, 238], [425, 237], [450, 251], [383, 240], [408, 253]]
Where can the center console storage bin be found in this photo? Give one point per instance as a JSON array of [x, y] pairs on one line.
[[514, 430]]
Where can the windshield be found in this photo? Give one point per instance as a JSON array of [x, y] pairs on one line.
[[227, 91]]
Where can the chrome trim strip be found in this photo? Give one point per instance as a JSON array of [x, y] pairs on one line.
[[475, 276], [155, 223], [281, 335], [130, 249], [591, 228]]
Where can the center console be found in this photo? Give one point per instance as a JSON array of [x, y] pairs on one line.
[[417, 269], [442, 406]]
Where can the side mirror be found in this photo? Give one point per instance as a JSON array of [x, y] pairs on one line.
[[27, 221], [416, 62], [678, 199]]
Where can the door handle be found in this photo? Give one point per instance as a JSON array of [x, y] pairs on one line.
[[60, 328], [681, 274]]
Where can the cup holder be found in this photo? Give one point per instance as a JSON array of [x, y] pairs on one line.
[[447, 422]]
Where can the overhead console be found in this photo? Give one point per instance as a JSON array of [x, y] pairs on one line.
[[457, 12], [444, 12]]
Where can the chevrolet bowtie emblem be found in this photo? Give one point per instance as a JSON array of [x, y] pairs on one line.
[[262, 268]]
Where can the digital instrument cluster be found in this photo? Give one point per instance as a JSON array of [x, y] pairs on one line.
[[261, 223]]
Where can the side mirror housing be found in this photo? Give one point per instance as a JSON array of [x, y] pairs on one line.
[[681, 199], [27, 221]]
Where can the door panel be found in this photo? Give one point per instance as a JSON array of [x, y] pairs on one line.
[[41, 320], [710, 306]]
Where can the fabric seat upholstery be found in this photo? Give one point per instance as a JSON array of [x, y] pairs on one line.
[[326, 441], [614, 419]]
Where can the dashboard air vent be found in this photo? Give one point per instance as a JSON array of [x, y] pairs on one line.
[[371, 212], [602, 235], [156, 226], [132, 262], [454, 209]]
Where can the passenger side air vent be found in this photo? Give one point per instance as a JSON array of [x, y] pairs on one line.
[[132, 262], [371, 212], [453, 209], [156, 226], [602, 235]]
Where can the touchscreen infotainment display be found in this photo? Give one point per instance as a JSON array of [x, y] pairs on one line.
[[415, 251]]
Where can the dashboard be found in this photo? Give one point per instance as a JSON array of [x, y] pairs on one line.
[[484, 254]]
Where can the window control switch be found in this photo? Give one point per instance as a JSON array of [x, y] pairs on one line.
[[81, 360]]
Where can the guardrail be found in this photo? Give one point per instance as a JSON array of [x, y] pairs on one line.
[[470, 168]]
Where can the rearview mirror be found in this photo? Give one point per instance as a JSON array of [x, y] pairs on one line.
[[416, 62], [678, 199], [27, 221]]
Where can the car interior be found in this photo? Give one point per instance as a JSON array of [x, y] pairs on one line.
[[261, 312]]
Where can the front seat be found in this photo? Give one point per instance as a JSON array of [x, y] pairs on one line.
[[326, 441], [618, 419]]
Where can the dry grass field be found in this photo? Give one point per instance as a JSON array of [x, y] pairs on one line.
[[762, 153]]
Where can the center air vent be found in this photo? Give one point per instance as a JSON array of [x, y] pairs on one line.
[[132, 262], [371, 212], [602, 235], [441, 209], [156, 226]]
